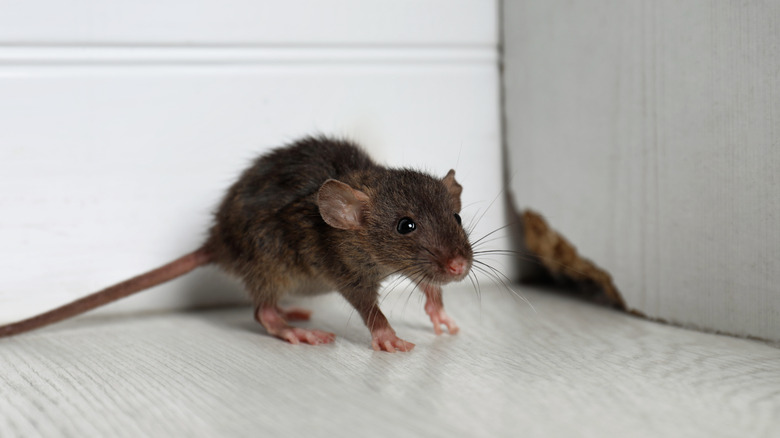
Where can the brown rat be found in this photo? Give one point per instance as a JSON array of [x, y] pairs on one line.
[[316, 216]]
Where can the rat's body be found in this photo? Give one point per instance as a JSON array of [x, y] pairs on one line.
[[317, 216]]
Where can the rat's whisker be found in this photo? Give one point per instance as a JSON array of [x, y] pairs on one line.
[[475, 281], [477, 242], [485, 242], [397, 271], [479, 286], [531, 257], [501, 192], [496, 275], [415, 282], [508, 253], [477, 291], [390, 288], [398, 281]]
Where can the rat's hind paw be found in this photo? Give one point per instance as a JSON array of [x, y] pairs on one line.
[[296, 335], [439, 317], [274, 320], [386, 340]]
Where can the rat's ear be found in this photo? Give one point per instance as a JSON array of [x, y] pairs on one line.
[[341, 206], [454, 188]]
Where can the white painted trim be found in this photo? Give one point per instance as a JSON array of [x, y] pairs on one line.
[[325, 23], [123, 123], [142, 56]]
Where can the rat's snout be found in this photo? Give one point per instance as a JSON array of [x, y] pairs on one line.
[[457, 266]]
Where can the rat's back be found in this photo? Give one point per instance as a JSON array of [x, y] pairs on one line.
[[271, 211]]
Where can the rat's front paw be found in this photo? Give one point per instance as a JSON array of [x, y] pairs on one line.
[[439, 317], [386, 340]]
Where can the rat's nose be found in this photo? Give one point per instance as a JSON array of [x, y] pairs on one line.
[[457, 266]]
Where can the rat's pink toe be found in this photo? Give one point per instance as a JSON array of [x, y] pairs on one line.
[[296, 335], [290, 337], [439, 317], [386, 340], [322, 337], [274, 320], [436, 325]]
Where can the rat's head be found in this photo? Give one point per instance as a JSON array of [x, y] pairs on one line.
[[408, 221]]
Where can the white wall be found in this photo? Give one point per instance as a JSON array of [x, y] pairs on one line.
[[121, 124], [647, 133]]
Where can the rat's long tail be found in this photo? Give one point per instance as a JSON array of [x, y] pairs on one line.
[[157, 276]]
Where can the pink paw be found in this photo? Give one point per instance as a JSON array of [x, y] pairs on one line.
[[386, 340], [439, 317], [274, 320], [296, 335]]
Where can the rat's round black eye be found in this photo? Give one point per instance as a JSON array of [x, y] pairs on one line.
[[457, 219], [406, 225]]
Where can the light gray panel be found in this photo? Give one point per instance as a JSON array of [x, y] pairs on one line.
[[647, 133]]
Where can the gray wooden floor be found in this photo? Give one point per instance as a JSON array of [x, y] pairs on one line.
[[561, 369]]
